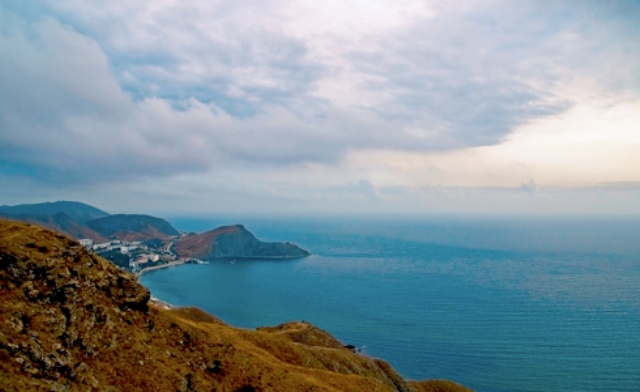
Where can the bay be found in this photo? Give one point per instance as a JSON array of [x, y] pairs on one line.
[[497, 304]]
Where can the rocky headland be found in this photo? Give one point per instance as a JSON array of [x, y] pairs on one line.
[[234, 242], [72, 321]]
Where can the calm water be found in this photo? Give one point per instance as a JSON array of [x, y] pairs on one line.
[[496, 304]]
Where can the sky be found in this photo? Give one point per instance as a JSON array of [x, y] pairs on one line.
[[281, 107]]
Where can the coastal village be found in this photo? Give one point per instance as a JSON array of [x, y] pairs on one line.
[[139, 256], [140, 243]]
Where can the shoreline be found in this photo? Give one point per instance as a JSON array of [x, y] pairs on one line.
[[157, 267], [186, 261]]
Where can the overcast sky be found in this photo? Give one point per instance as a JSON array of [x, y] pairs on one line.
[[322, 107]]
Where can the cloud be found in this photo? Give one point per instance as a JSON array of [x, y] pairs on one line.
[[63, 114], [529, 187], [126, 90]]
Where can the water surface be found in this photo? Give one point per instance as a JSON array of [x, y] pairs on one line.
[[496, 304]]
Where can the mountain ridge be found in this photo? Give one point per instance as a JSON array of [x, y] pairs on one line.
[[79, 212], [62, 223], [120, 225], [80, 220]]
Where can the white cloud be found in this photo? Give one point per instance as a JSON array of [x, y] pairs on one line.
[[406, 95], [63, 113]]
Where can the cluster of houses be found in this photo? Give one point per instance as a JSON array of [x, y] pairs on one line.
[[138, 253]]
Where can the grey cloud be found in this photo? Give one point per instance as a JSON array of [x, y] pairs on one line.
[[366, 188], [133, 90], [239, 77], [475, 76], [529, 187], [63, 115], [458, 75], [211, 51]]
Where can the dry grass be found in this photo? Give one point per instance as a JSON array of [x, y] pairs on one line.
[[71, 321]]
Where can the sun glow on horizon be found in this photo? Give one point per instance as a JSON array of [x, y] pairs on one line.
[[593, 143]]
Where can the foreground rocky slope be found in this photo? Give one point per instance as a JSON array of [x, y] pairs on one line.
[[234, 242], [71, 321]]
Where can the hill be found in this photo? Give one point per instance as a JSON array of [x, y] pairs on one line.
[[78, 220], [70, 320], [60, 223], [77, 211], [234, 242], [131, 227]]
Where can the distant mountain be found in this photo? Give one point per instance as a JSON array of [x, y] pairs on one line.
[[127, 227], [77, 211], [234, 242], [78, 220], [61, 223]]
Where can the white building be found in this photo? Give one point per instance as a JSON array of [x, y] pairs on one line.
[[86, 242], [133, 265]]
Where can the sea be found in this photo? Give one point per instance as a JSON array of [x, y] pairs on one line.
[[494, 303]]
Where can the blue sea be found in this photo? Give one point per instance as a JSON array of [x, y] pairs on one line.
[[497, 304]]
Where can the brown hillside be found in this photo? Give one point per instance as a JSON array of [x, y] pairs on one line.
[[303, 332], [71, 321], [61, 223], [199, 245], [148, 233], [234, 242]]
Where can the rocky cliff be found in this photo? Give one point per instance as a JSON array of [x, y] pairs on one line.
[[234, 242], [71, 321]]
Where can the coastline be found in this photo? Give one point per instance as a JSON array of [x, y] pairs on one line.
[[157, 267], [187, 261]]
